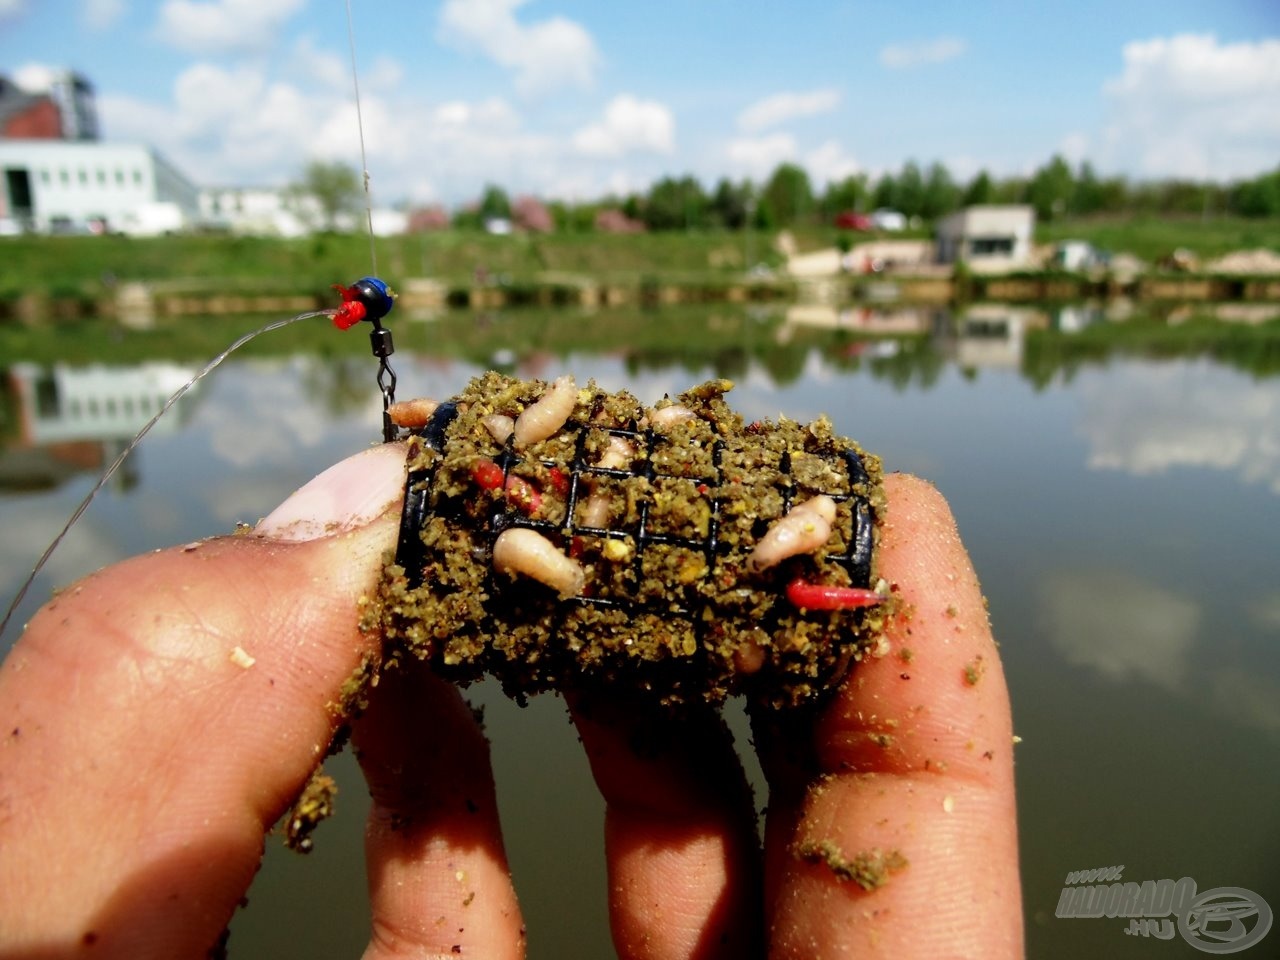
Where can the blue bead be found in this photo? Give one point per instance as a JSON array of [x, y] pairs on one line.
[[376, 297]]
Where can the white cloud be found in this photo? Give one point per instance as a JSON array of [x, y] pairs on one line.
[[223, 26], [493, 115], [756, 157], [235, 126], [1145, 420], [1129, 629], [546, 55], [1120, 625], [333, 70], [101, 14], [629, 125], [321, 66], [1074, 147], [34, 77], [900, 56], [225, 126], [12, 9], [830, 164], [1189, 106], [782, 107]]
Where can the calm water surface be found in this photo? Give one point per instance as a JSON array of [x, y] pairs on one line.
[[1120, 495]]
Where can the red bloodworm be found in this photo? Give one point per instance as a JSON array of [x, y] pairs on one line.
[[818, 596], [525, 495], [487, 474], [559, 482]]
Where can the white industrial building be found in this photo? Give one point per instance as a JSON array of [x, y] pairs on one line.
[[77, 185], [258, 211], [988, 238]]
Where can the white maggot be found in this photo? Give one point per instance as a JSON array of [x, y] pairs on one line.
[[617, 455], [669, 416], [527, 552], [412, 414], [499, 426], [548, 413], [806, 528]]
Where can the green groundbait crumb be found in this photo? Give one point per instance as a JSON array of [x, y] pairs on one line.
[[314, 805], [688, 622], [869, 869]]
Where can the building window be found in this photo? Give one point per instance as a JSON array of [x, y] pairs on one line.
[[991, 246], [137, 178], [83, 177], [47, 403], [102, 177], [44, 177], [119, 177], [64, 178]]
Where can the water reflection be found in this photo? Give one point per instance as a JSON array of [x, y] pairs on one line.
[[1160, 627], [63, 420], [1147, 419], [1114, 474]]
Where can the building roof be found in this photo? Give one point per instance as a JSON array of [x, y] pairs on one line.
[[14, 101]]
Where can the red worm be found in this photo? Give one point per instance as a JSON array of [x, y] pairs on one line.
[[487, 474], [817, 596], [524, 494]]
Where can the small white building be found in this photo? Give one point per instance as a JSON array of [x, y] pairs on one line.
[[281, 212], [257, 211], [988, 238], [77, 185]]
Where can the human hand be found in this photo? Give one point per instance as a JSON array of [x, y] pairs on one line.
[[890, 827], [141, 763], [144, 755]]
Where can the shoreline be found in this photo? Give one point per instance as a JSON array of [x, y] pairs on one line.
[[136, 303]]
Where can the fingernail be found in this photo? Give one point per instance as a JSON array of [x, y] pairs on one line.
[[348, 495]]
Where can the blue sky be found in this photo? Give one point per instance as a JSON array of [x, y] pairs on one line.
[[575, 99]]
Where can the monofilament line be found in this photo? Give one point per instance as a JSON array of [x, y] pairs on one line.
[[115, 465], [364, 163]]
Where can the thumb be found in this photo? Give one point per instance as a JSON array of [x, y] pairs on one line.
[[191, 692]]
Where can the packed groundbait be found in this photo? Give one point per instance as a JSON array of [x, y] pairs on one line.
[[558, 538]]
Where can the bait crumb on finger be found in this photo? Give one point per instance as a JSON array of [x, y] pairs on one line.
[[869, 869], [314, 805]]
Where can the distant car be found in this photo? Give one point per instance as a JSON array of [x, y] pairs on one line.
[[888, 220], [853, 221]]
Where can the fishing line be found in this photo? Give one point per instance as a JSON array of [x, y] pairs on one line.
[[376, 296], [115, 465], [364, 163]]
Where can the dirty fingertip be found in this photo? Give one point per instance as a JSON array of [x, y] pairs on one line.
[[348, 495]]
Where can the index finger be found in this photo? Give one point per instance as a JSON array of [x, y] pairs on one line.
[[902, 839]]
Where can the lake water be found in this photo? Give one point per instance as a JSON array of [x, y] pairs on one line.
[[1117, 481]]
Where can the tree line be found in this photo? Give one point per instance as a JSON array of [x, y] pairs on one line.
[[789, 198]]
